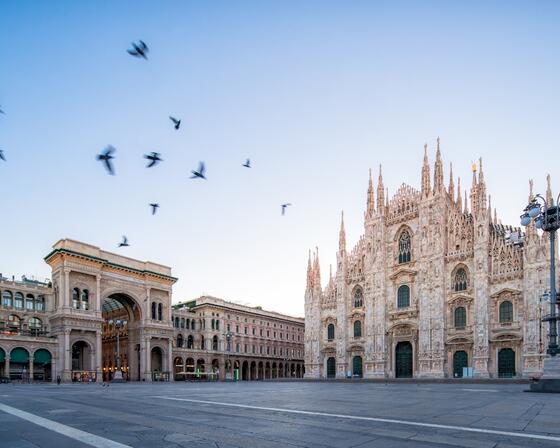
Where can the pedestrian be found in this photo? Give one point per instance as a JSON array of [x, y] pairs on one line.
[[58, 380]]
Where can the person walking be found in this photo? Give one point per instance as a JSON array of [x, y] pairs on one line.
[[58, 380]]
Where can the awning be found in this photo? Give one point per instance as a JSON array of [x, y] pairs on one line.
[[19, 355], [2, 355], [42, 356]]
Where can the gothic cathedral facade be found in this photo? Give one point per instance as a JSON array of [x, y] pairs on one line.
[[432, 289]]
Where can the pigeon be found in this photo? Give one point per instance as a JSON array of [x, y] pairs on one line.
[[124, 242], [284, 208], [200, 172], [2, 157], [1, 111], [176, 122], [106, 157], [139, 50], [154, 159], [247, 164], [154, 208]]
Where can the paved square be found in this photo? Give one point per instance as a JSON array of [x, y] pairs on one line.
[[277, 414]]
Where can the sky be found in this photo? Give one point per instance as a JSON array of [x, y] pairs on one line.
[[314, 93]]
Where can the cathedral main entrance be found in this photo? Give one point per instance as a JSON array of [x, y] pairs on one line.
[[403, 360], [331, 368], [506, 363], [121, 316]]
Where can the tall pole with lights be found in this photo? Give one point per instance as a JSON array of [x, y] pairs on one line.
[[119, 323], [546, 216]]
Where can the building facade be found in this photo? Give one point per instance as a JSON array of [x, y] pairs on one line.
[[99, 304], [433, 286], [232, 341]]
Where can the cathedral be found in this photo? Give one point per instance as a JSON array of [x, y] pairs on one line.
[[435, 287]]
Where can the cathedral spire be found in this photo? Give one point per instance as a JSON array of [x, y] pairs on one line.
[[531, 196], [474, 191], [481, 188], [459, 197], [425, 174], [466, 205], [309, 272], [342, 236], [451, 182], [549, 197], [317, 271], [495, 216], [380, 191], [490, 208], [370, 198], [438, 171]]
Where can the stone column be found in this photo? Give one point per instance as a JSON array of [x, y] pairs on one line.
[[98, 355], [66, 290], [98, 301], [7, 365], [148, 362], [67, 356], [30, 369], [54, 372], [170, 366]]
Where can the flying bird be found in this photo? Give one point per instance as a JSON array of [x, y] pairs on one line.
[[154, 158], [124, 242], [247, 164], [154, 208], [139, 50], [106, 157], [284, 206], [200, 172], [2, 155], [176, 122]]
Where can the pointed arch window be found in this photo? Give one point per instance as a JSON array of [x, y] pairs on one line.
[[330, 332], [403, 296], [460, 281], [506, 312], [460, 317], [405, 247], [357, 329], [358, 298]]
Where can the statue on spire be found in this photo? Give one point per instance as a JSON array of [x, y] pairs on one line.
[[438, 171], [426, 187], [342, 236], [370, 199], [380, 192]]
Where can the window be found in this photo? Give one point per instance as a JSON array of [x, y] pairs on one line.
[[7, 299], [460, 317], [460, 280], [215, 343], [228, 328], [190, 341], [40, 303], [213, 324], [183, 322], [160, 311], [154, 312], [35, 325], [85, 300], [217, 324], [180, 341], [29, 299], [403, 297], [358, 298], [254, 331], [245, 348], [330, 332], [76, 298], [237, 328], [176, 322], [237, 348], [19, 301], [14, 321], [357, 329], [187, 324], [201, 342], [261, 332], [254, 349], [192, 324], [245, 330], [506, 312], [404, 247]]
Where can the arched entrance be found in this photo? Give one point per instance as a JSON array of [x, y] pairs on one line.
[[245, 371], [42, 360], [260, 373], [331, 368], [19, 364], [357, 366], [189, 365], [178, 369], [460, 360], [506, 363], [82, 368], [121, 316], [253, 370], [403, 360]]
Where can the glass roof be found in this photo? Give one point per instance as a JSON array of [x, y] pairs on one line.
[[110, 305]]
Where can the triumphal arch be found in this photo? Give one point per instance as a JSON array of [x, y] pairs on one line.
[[101, 298]]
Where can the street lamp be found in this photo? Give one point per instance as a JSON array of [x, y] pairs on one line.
[[546, 216], [229, 338], [119, 323]]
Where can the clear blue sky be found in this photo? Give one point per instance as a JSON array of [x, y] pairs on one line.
[[314, 93]]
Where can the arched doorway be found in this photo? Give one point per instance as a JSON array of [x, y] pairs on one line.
[[157, 364], [215, 369], [178, 369], [403, 360], [280, 370], [506, 363], [357, 367], [253, 370], [19, 364], [267, 371], [189, 365], [331, 368], [260, 373], [82, 354], [121, 316], [42, 360], [460, 360], [274, 371], [245, 371]]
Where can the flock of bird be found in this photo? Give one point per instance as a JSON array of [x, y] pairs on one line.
[[141, 50]]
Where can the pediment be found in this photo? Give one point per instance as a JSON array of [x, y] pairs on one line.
[[506, 291], [402, 271]]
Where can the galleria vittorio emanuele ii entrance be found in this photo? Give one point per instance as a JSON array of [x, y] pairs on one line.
[[102, 299]]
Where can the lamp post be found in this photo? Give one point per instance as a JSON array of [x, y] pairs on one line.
[[119, 323], [229, 372], [546, 217]]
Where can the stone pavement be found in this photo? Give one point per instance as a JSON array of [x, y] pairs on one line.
[[280, 414]]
